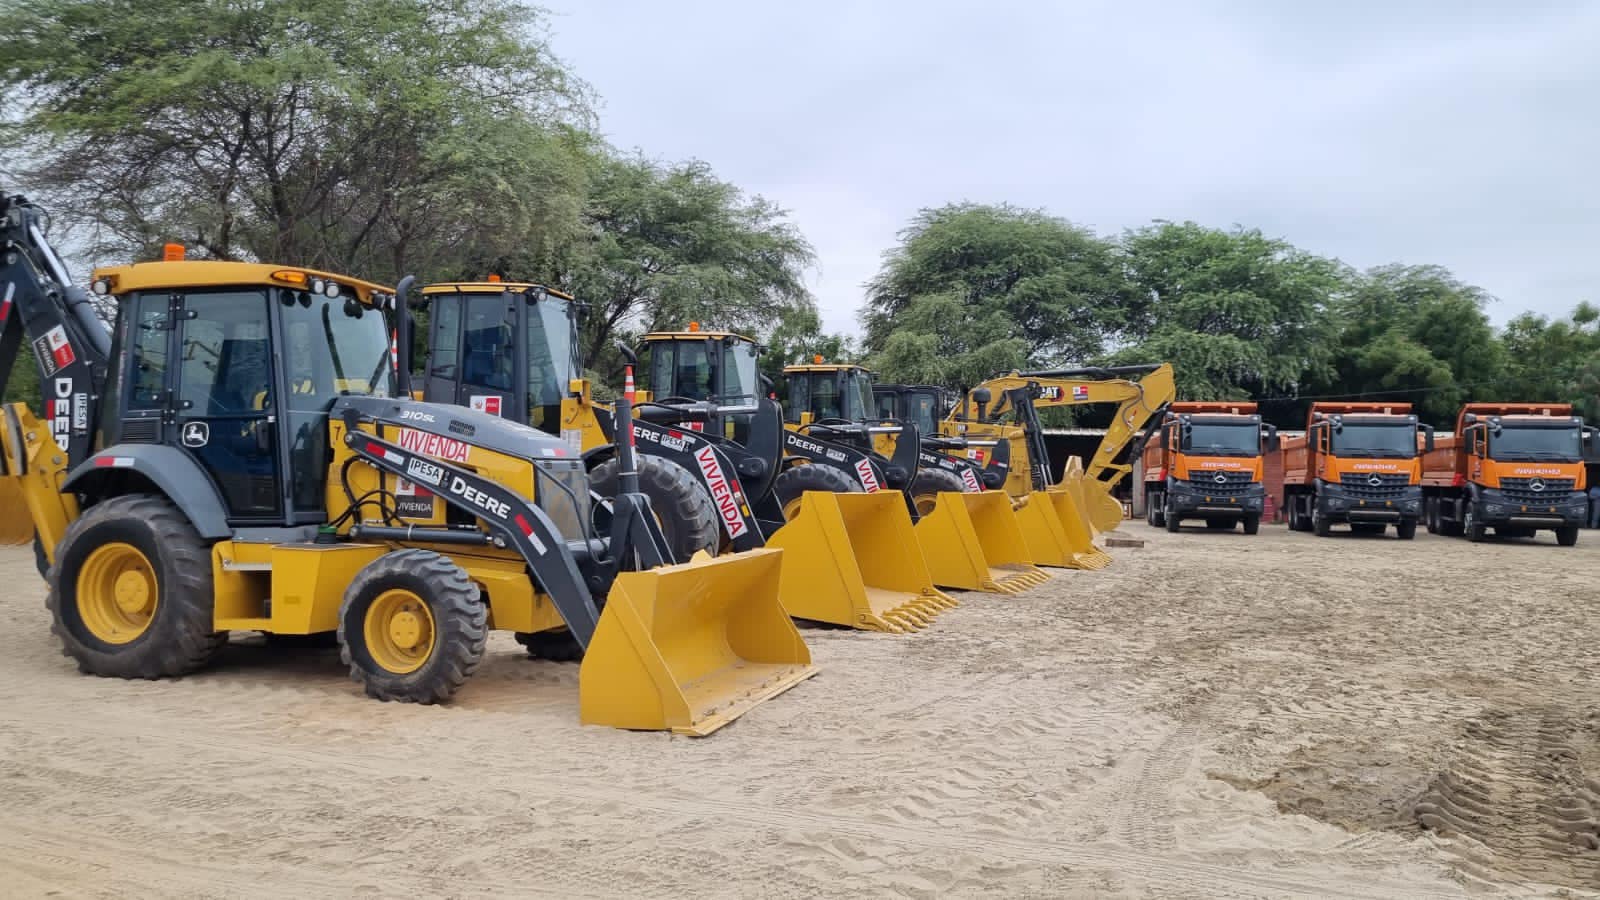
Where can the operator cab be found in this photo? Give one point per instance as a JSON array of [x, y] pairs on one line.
[[922, 404], [237, 365], [819, 391], [476, 359]]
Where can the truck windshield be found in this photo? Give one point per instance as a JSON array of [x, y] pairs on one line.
[[1523, 443], [1397, 441], [1219, 439]]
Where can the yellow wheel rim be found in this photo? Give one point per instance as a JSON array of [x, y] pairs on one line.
[[925, 503], [792, 508], [117, 593], [399, 631]]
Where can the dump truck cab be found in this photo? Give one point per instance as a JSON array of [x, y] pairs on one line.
[[1206, 462], [1517, 468], [1359, 464]]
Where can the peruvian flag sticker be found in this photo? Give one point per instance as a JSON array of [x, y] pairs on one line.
[[485, 403], [60, 349]]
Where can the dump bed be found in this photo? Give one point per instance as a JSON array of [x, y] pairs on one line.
[[1443, 463]]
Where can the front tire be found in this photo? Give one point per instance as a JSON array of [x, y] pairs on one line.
[[1472, 528], [1320, 525], [1252, 524], [1405, 529], [929, 484], [682, 505], [412, 627], [1157, 511], [792, 483], [131, 591], [1171, 521], [1567, 536]]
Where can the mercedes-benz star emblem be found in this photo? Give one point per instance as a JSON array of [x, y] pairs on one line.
[[1221, 478], [1536, 485], [1375, 480]]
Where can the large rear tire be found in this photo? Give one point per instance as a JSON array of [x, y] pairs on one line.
[[682, 506], [929, 484], [792, 483], [412, 627], [131, 591]]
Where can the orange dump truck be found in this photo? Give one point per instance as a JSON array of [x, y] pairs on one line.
[[1206, 463], [1359, 464], [1514, 467]]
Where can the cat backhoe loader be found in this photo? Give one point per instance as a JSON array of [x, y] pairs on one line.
[[1006, 407], [237, 453], [504, 348]]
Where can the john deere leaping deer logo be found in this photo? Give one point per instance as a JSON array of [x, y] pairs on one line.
[[196, 434]]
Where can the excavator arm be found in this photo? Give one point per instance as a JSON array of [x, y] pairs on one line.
[[1016, 397]]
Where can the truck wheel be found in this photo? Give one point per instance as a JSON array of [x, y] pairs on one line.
[[682, 506], [1430, 514], [555, 646], [1158, 510], [792, 483], [1252, 524], [1172, 521], [1320, 524], [412, 627], [1568, 536], [1472, 528], [131, 591], [1405, 529], [929, 484]]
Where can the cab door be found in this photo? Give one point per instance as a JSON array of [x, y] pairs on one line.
[[224, 406]]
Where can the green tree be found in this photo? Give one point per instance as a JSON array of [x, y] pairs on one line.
[[1238, 314], [972, 290], [1417, 333], [371, 136], [1555, 361], [663, 245]]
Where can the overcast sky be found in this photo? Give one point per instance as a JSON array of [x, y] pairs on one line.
[[1458, 133]]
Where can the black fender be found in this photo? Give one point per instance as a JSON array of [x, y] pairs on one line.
[[172, 472]]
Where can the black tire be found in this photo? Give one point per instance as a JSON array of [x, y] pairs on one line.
[[929, 484], [1405, 529], [1171, 520], [179, 636], [1320, 524], [1430, 514], [458, 633], [1158, 509], [1472, 528], [681, 504], [1567, 536], [794, 481], [555, 646], [1252, 524]]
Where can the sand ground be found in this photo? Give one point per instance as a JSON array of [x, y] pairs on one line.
[[1214, 715]]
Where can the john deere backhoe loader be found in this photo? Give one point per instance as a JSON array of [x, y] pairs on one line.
[[498, 347], [1006, 407], [237, 454]]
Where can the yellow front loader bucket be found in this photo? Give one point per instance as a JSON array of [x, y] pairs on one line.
[[853, 559], [1067, 500], [972, 542], [1043, 533], [16, 525], [691, 647]]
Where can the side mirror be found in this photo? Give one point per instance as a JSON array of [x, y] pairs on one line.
[[1427, 439], [1272, 438]]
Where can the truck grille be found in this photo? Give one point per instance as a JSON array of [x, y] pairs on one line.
[[1375, 485], [1521, 489], [568, 509], [1232, 483]]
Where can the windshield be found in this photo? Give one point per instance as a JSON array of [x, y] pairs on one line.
[[1521, 443], [857, 395], [336, 347], [552, 362], [923, 408], [1397, 441], [1218, 439], [739, 382]]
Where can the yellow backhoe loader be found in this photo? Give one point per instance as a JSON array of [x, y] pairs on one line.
[[238, 453]]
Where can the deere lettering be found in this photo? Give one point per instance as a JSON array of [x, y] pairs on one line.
[[485, 502], [721, 492], [434, 445], [804, 444], [61, 412]]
